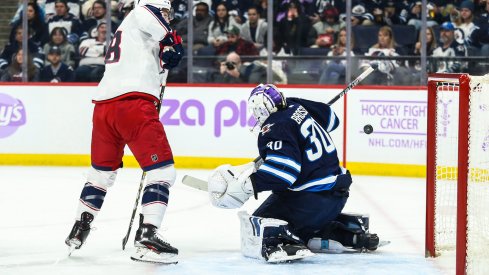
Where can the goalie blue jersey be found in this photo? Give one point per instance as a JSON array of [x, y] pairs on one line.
[[297, 150]]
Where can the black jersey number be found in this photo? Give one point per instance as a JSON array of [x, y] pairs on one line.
[[114, 51], [318, 138]]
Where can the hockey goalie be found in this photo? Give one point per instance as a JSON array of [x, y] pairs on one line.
[[300, 166]]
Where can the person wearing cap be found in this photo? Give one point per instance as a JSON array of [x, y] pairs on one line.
[[63, 18], [463, 19], [236, 44], [327, 28], [449, 47], [57, 71]]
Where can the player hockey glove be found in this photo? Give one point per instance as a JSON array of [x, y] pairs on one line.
[[171, 38], [230, 186], [172, 58]]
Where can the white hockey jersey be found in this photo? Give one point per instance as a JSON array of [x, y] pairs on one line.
[[132, 62]]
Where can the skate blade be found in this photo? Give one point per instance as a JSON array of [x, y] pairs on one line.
[[147, 255], [282, 257], [72, 245]]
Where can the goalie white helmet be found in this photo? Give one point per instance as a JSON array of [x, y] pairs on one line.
[[264, 100]]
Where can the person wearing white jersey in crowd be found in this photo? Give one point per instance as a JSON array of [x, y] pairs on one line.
[[126, 112]]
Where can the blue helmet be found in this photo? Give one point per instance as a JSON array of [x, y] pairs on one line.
[[264, 100]]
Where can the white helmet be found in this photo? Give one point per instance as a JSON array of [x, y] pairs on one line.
[[159, 4]]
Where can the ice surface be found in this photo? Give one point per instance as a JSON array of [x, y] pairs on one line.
[[37, 207]]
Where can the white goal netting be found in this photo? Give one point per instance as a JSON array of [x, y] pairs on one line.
[[447, 164]]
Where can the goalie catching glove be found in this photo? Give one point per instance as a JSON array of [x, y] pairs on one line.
[[231, 186]]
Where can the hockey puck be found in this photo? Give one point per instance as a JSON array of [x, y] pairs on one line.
[[368, 129]]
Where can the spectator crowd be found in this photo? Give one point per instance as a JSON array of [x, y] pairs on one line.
[[67, 39]]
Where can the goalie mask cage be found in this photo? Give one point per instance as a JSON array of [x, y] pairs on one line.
[[457, 176]]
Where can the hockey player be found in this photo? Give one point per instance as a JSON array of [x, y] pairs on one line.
[[142, 51], [309, 188]]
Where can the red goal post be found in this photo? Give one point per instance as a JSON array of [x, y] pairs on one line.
[[457, 176]]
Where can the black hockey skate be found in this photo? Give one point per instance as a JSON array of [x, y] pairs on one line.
[[281, 245], [367, 241], [79, 232], [150, 247]]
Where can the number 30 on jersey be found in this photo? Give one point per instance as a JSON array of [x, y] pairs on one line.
[[318, 138]]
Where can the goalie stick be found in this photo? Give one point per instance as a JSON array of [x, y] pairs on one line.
[[202, 185]]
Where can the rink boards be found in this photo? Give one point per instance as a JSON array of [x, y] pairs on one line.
[[209, 125]]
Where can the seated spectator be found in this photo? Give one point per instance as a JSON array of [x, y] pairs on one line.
[[414, 16], [57, 71], [201, 23], [20, 10], [390, 13], [463, 20], [73, 6], [232, 70], [359, 16], [389, 70], [99, 10], [431, 45], [334, 73], [180, 10], [236, 44], [38, 31], [92, 53], [449, 48], [35, 52], [13, 73], [295, 31], [255, 29], [327, 28], [236, 9], [126, 6], [58, 38], [66, 20], [217, 28], [480, 36]]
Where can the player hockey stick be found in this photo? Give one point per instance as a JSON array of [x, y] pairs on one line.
[[141, 183], [199, 184]]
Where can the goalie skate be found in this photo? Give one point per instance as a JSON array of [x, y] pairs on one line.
[[286, 253]]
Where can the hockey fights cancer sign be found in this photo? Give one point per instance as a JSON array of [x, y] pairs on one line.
[[12, 115]]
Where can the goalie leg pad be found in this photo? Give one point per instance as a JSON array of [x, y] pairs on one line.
[[270, 239], [156, 193]]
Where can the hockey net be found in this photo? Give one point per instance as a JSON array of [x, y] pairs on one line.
[[457, 205]]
